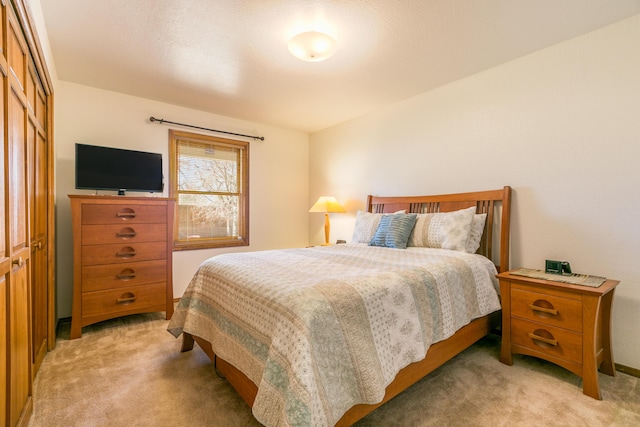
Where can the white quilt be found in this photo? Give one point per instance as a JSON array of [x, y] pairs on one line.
[[321, 329]]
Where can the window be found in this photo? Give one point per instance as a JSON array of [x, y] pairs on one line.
[[210, 182]]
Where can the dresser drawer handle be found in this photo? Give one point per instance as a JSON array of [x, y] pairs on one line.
[[127, 252], [543, 339], [126, 233], [543, 309], [126, 213], [126, 274], [126, 298]]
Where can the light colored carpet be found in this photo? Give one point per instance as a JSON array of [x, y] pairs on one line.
[[130, 372]]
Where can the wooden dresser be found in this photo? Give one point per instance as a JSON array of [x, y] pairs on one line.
[[122, 253], [569, 325]]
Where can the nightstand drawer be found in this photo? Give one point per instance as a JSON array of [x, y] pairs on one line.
[[548, 309], [552, 341]]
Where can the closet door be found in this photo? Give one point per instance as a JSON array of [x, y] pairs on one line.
[[27, 306], [38, 191], [19, 252], [5, 261]]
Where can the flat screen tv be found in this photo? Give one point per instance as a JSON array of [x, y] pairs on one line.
[[106, 168]]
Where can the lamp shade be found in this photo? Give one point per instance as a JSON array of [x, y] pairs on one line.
[[327, 204]]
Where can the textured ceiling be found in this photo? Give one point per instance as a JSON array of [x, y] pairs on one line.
[[230, 57]]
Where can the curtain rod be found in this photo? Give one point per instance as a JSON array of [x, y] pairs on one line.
[[161, 121]]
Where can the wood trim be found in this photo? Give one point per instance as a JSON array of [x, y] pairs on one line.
[[51, 223], [505, 230], [634, 372], [175, 137]]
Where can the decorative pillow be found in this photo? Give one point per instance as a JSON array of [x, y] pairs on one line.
[[394, 230], [475, 234], [366, 226], [446, 230]]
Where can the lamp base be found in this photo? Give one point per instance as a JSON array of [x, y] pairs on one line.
[[327, 230]]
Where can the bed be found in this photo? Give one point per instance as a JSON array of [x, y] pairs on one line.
[[324, 335]]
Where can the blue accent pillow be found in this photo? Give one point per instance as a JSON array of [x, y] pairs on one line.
[[393, 231]]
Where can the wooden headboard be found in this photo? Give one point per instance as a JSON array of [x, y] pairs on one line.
[[495, 203]]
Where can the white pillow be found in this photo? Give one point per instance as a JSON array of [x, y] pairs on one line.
[[366, 226], [475, 234], [446, 230]]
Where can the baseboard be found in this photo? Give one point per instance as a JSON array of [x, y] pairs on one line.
[[628, 370]]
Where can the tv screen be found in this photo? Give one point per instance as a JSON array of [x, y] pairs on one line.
[[106, 168]]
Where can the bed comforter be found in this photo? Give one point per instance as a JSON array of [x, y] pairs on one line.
[[321, 329]]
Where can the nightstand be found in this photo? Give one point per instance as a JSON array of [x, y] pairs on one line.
[[569, 325]]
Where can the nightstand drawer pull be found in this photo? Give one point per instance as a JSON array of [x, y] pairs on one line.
[[543, 339], [543, 309], [126, 298]]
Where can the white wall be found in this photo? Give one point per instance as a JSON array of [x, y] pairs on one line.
[[561, 126], [278, 171]]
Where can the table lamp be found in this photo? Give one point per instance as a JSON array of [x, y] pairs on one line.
[[327, 204]]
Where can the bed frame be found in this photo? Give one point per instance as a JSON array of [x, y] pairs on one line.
[[497, 205]]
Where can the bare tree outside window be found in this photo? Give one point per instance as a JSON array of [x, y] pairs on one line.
[[209, 179]]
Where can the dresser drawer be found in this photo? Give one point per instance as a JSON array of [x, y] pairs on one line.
[[548, 309], [123, 214], [563, 344], [123, 299], [111, 276], [123, 253], [119, 233]]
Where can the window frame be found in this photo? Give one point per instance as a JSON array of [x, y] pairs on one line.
[[243, 190]]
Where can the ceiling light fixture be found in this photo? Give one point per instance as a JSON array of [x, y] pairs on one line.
[[312, 46]]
